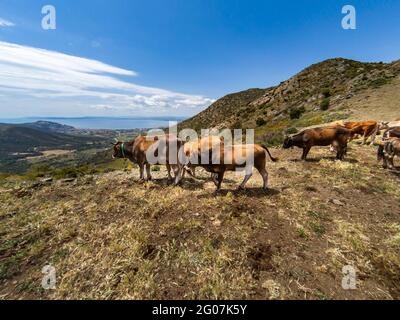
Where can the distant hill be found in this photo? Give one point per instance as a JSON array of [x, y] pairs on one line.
[[21, 141], [27, 138], [49, 126], [330, 90]]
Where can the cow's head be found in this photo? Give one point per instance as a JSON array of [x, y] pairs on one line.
[[288, 143], [384, 125], [118, 150]]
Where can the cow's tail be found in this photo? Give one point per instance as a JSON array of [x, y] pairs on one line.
[[269, 153], [381, 153]]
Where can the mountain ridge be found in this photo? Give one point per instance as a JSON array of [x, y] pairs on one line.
[[320, 93]]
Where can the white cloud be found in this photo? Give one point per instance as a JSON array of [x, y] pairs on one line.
[[6, 23], [45, 76]]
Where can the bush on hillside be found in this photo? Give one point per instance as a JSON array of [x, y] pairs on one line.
[[260, 122], [324, 104], [292, 130], [296, 113], [326, 92]]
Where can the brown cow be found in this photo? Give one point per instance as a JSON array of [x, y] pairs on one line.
[[138, 149], [365, 128], [232, 158], [388, 150], [323, 136]]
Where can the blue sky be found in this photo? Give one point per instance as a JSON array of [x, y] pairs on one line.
[[173, 57]]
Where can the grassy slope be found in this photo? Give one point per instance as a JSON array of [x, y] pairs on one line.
[[110, 237]]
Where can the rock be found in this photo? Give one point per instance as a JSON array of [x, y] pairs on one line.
[[337, 202], [46, 180]]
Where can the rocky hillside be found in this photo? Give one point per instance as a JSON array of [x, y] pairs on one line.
[[331, 90]]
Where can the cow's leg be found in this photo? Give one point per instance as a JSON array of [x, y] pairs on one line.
[[246, 178], [141, 169], [339, 154], [373, 136], [178, 173], [385, 162], [214, 178], [365, 137], [391, 162], [341, 151], [306, 150], [169, 172], [264, 175], [192, 171], [219, 179], [148, 172]]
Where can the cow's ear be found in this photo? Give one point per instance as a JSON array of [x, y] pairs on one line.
[[221, 138]]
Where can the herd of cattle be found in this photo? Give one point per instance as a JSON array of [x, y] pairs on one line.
[[215, 157]]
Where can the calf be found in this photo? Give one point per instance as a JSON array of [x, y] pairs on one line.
[[387, 151], [323, 136], [137, 151]]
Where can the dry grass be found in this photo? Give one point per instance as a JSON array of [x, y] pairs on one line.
[[110, 237]]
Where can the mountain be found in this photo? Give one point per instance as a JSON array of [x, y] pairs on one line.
[[49, 126], [330, 90], [23, 138], [19, 143]]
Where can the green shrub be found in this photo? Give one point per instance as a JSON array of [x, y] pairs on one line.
[[296, 113], [273, 138], [379, 82], [324, 104], [38, 171], [292, 130], [326, 92], [260, 122], [74, 172], [67, 172], [265, 106]]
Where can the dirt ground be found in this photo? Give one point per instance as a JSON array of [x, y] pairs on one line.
[[111, 237]]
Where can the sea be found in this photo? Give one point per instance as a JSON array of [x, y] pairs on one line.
[[111, 123]]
